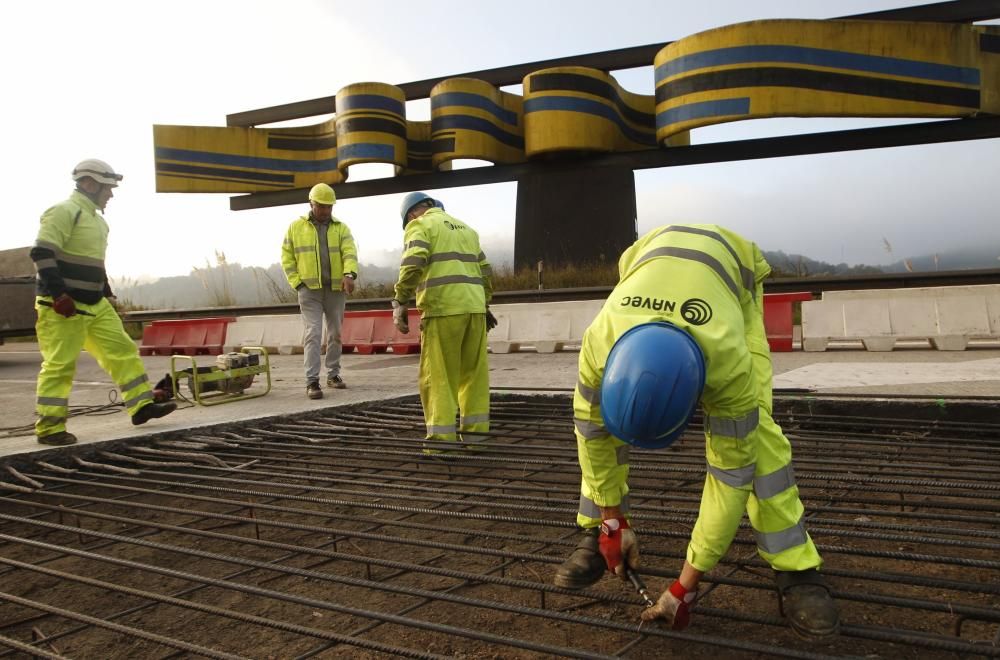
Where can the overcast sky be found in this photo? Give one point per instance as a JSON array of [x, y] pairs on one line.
[[88, 80]]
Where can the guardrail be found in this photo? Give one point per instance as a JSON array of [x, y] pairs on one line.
[[814, 285]]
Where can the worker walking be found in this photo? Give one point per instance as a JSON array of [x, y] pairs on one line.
[[73, 309], [320, 261], [444, 264], [683, 325]]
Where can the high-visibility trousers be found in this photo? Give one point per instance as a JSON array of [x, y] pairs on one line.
[[753, 473], [455, 377], [60, 340]]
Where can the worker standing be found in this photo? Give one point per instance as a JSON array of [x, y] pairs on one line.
[[683, 325], [73, 309], [444, 264], [320, 262]]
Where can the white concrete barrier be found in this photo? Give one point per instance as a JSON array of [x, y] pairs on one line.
[[822, 322], [916, 292], [959, 319], [281, 333], [868, 320], [548, 327], [947, 317]]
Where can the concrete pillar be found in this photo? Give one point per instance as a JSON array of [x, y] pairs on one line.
[[574, 215]]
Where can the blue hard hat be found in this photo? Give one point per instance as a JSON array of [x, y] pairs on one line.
[[414, 198], [652, 383]]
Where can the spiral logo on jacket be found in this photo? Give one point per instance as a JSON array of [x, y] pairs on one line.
[[696, 311]]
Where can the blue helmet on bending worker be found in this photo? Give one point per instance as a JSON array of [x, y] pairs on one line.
[[653, 379]]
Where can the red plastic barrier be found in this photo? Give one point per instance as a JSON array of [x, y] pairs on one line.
[[185, 336], [356, 331], [156, 339], [382, 330], [778, 318], [372, 331], [366, 331]]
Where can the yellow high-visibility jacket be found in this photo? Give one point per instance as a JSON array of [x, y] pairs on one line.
[[300, 258], [444, 264], [69, 251], [708, 281]]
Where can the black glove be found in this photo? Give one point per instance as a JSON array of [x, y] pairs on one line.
[[300, 286], [491, 321]]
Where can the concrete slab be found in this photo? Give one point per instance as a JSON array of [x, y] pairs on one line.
[[867, 374], [368, 377], [385, 376]]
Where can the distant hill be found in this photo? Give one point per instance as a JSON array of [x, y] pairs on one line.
[[797, 265], [228, 284], [964, 259], [224, 284]]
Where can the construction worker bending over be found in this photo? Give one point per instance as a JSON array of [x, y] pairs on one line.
[[73, 308], [321, 263], [685, 324], [443, 263]]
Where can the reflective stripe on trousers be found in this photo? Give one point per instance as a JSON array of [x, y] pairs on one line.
[[589, 509], [473, 427], [734, 427]]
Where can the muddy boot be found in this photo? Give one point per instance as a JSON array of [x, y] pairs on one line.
[[152, 411], [585, 566], [60, 439], [805, 601]]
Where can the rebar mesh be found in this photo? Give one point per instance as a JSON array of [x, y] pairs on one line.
[[332, 534]]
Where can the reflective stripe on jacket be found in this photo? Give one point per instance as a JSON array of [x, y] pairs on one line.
[[444, 265], [300, 258], [69, 251]]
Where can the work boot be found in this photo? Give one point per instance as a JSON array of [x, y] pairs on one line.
[[313, 391], [804, 600], [152, 411], [584, 566], [336, 382], [440, 448], [60, 439]]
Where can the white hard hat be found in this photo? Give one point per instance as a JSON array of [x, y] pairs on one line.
[[97, 170]]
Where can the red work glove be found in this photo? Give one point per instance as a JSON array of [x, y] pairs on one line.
[[64, 305], [674, 606], [618, 545]]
